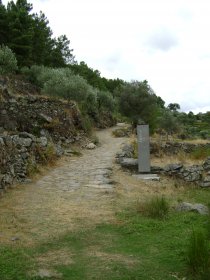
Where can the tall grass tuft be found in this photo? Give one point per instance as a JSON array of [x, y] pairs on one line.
[[198, 253], [157, 207]]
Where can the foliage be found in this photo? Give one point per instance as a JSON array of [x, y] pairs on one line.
[[168, 122], [8, 62], [138, 102], [45, 155], [105, 101], [173, 106], [94, 78], [30, 36], [156, 207]]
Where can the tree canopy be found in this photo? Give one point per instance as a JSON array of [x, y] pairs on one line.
[[138, 102]]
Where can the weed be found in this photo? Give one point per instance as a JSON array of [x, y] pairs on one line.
[[198, 252], [32, 167], [135, 148], [45, 155], [53, 124], [94, 139], [87, 124], [156, 207]]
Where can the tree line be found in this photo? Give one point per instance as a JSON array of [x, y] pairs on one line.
[[30, 37], [27, 47]]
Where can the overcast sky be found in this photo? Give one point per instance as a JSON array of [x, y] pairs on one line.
[[166, 42]]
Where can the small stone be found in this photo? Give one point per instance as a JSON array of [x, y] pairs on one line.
[[2, 141], [149, 177], [42, 141], [25, 142], [91, 146], [46, 118], [26, 135], [15, 238]]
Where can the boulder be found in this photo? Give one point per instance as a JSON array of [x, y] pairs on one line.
[[188, 207], [205, 183], [23, 142], [175, 167], [129, 163], [127, 151]]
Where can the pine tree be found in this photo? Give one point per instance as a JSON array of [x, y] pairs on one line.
[[20, 30], [3, 25]]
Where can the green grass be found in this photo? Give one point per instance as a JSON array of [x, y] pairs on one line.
[[156, 207], [136, 247], [200, 153], [198, 252]]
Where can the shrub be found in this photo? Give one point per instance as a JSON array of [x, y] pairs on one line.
[[198, 252], [87, 124], [105, 101], [8, 61], [45, 155], [156, 207]]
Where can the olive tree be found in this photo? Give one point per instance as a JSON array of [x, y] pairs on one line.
[[8, 62], [138, 102]]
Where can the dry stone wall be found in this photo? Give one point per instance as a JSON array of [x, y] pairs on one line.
[[33, 129], [199, 174]]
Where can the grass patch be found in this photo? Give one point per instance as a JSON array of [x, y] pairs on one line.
[[156, 207], [198, 253], [200, 153], [133, 247]]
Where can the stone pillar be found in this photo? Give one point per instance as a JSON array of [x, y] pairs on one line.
[[143, 149]]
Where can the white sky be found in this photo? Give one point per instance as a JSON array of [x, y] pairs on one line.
[[166, 42]]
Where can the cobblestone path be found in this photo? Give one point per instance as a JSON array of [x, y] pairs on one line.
[[79, 192]]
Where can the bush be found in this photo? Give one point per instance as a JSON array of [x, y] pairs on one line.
[[198, 252], [8, 61], [157, 207], [105, 101]]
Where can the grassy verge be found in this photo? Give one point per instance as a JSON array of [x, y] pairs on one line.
[[134, 247]]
